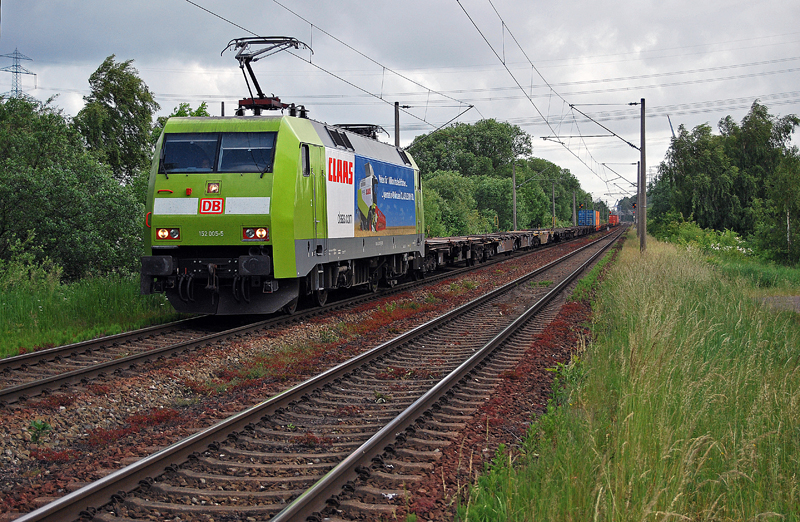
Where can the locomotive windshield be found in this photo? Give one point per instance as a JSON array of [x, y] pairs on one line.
[[193, 152], [246, 152], [218, 152]]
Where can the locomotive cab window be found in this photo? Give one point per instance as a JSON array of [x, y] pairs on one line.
[[247, 152], [188, 152]]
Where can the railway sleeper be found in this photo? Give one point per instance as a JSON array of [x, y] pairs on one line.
[[369, 494], [390, 479], [424, 455], [361, 508], [191, 476], [181, 510], [169, 492], [308, 465]]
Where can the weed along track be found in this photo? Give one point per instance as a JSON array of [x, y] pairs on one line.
[[345, 441]]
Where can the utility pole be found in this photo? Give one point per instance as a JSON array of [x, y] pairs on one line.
[[574, 214], [642, 191], [514, 192], [396, 124], [635, 214], [554, 204]]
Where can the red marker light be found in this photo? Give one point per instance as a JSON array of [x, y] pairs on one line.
[[188, 192]]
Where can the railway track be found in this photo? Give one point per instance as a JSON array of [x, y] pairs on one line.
[[29, 375], [346, 441]]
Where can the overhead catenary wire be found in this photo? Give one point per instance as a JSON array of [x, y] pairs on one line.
[[385, 68], [573, 107], [529, 98], [552, 90], [340, 78]]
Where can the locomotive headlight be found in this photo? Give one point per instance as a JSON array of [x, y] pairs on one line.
[[168, 233], [212, 188], [255, 234]]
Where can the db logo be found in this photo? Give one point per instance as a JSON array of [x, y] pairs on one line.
[[211, 206]]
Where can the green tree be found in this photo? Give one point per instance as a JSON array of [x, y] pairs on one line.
[[484, 148], [457, 205], [58, 198], [777, 216], [702, 179], [183, 110], [741, 179], [485, 152], [117, 120], [434, 226], [756, 148], [494, 198]]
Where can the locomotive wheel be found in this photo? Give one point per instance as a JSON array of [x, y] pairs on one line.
[[291, 307], [372, 285], [321, 297]]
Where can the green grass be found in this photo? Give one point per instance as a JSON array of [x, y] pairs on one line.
[[773, 278], [685, 407], [589, 283], [40, 316]]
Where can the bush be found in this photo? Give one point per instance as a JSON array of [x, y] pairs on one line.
[[673, 228], [60, 198]]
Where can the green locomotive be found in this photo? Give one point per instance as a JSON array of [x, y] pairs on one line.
[[248, 214]]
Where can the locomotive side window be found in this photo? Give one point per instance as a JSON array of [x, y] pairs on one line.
[[189, 152], [304, 159], [246, 152]]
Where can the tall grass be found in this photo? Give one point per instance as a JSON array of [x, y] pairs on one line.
[[688, 408], [42, 315]]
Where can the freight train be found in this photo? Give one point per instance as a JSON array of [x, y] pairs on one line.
[[249, 214]]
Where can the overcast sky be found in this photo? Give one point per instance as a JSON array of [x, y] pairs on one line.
[[526, 61]]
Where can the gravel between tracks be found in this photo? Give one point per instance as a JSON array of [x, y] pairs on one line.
[[110, 423]]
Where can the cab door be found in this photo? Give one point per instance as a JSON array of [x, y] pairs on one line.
[[312, 159]]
